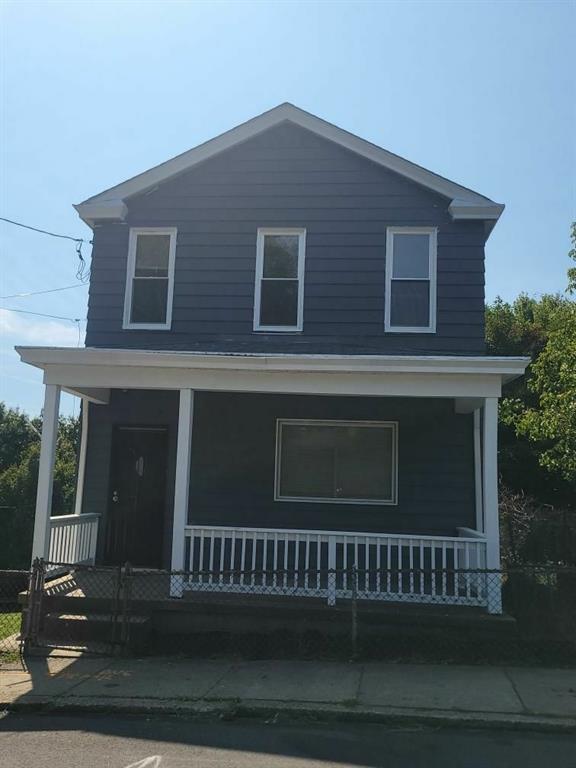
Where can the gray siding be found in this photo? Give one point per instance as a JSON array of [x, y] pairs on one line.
[[232, 479], [232, 474], [288, 176]]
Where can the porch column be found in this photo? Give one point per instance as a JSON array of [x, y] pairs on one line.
[[82, 458], [490, 494], [182, 486], [41, 540]]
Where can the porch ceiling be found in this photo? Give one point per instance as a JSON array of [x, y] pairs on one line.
[[91, 372]]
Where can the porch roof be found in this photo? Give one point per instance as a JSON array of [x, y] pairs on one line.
[[91, 372]]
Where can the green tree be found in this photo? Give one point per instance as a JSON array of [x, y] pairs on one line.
[[537, 414], [572, 254], [19, 479], [551, 424]]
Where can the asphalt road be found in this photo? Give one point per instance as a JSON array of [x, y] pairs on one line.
[[57, 741]]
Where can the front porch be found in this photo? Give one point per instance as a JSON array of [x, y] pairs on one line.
[[427, 545]]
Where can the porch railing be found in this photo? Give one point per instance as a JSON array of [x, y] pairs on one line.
[[418, 569], [73, 538]]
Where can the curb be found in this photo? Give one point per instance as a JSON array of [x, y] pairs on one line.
[[274, 711]]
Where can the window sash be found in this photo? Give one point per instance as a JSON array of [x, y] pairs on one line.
[[391, 426], [260, 279], [132, 278], [391, 234]]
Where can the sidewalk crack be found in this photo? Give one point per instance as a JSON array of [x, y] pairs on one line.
[[516, 691], [359, 686]]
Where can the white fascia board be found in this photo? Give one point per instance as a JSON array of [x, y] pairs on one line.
[[114, 210], [464, 209], [116, 195], [506, 367]]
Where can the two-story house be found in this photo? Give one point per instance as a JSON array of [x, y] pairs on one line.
[[284, 369]]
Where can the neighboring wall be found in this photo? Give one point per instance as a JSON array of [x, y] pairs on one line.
[[232, 478], [137, 408], [288, 176]]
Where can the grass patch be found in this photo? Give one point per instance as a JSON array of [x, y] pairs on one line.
[[9, 624]]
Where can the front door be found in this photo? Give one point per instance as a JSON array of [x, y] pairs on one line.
[[136, 509]]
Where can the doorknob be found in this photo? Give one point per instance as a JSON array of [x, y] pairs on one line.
[[115, 497]]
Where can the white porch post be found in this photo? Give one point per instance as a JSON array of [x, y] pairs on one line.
[[82, 458], [490, 494], [41, 540], [182, 486]]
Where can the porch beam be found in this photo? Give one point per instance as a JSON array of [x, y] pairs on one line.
[[41, 539], [305, 382], [490, 496], [182, 481]]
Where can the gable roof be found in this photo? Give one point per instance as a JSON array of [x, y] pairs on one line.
[[465, 204]]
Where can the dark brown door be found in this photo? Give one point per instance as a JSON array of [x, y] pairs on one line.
[[135, 522]]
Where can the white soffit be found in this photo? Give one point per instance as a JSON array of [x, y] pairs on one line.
[[466, 204]]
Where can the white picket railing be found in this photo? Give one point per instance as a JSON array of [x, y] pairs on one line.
[[418, 569], [73, 538]]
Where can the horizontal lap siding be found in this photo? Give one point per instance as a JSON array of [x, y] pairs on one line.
[[232, 477], [289, 177]]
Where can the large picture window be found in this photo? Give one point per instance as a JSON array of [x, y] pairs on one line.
[[150, 278], [410, 280], [279, 289], [350, 462]]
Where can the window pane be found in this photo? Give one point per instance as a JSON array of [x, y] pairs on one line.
[[279, 302], [410, 303], [280, 256], [152, 252], [332, 462], [411, 256], [149, 301]]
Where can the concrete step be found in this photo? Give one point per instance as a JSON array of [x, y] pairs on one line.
[[82, 629]]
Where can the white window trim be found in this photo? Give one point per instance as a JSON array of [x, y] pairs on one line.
[[432, 260], [262, 232], [130, 269], [393, 501]]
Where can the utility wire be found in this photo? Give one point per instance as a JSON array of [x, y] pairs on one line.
[[42, 314], [45, 231], [82, 273], [37, 293]]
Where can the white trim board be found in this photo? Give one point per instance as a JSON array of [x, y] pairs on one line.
[[379, 376], [464, 204], [507, 367]]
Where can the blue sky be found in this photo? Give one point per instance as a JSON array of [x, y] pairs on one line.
[[95, 92]]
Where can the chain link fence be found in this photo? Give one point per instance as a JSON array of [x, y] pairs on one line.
[[12, 583], [319, 614]]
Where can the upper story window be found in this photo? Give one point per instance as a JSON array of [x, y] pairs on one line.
[[150, 278], [410, 280], [279, 290]]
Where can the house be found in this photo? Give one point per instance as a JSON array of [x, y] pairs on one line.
[[284, 372]]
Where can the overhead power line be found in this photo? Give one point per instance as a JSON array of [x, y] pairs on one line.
[[82, 273], [45, 231], [37, 293], [43, 314]]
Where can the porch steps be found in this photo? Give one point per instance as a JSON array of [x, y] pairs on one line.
[[95, 630]]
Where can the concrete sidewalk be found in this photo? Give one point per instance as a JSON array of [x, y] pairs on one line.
[[536, 698]]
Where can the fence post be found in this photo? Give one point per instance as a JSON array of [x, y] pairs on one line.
[[33, 616], [331, 570], [354, 624], [126, 606]]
